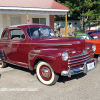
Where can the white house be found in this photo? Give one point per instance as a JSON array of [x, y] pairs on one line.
[[71, 22], [37, 11]]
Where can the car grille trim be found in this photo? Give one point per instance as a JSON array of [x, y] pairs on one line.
[[70, 60]]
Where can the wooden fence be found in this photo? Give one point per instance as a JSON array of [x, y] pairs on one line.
[[69, 30]]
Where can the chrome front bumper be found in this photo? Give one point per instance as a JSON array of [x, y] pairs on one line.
[[79, 70]]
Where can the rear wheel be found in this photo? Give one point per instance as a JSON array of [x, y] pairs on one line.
[[3, 64], [46, 74]]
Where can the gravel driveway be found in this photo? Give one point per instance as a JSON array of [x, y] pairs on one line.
[[20, 84]]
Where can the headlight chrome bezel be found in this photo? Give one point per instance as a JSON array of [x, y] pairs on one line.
[[93, 48], [65, 56]]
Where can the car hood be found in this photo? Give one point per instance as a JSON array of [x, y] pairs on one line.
[[61, 42]]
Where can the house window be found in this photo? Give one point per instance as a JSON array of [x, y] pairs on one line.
[[39, 21], [35, 20], [43, 21]]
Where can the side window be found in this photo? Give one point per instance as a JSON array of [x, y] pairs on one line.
[[5, 35], [17, 34]]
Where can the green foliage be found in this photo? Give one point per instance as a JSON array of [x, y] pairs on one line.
[[88, 8]]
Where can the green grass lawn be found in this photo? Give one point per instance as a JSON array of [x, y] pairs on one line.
[[79, 33]]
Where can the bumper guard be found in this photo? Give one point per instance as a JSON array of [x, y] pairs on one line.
[[79, 70]]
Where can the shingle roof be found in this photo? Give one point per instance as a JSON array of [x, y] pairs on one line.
[[46, 4]]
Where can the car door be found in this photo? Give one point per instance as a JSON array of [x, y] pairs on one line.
[[5, 42], [19, 47]]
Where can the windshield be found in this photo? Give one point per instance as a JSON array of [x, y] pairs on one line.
[[35, 32], [94, 35]]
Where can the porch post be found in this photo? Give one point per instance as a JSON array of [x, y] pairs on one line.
[[66, 25], [1, 24], [27, 18]]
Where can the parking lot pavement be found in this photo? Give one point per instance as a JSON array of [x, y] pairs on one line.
[[19, 84]]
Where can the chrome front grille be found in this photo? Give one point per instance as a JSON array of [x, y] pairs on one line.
[[78, 61]]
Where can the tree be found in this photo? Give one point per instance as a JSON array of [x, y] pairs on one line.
[[86, 10]]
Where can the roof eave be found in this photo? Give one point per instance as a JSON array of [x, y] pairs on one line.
[[33, 9]]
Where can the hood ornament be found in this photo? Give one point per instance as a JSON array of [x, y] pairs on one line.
[[82, 54]]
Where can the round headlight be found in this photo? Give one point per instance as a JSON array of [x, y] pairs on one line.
[[93, 48], [64, 56]]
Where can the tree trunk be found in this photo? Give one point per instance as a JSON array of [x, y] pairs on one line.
[[81, 21]]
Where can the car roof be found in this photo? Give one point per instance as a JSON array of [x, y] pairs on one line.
[[27, 26]]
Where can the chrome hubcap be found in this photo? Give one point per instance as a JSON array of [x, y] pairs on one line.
[[45, 73]]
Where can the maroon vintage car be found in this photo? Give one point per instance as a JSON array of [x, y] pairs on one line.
[[37, 47]]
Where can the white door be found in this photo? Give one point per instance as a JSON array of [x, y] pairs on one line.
[[15, 20]]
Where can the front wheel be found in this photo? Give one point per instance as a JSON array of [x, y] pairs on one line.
[[46, 74]]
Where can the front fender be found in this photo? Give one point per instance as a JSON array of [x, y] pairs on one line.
[[51, 55]]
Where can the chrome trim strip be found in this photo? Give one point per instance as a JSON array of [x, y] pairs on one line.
[[70, 60], [77, 56], [4, 42], [39, 43], [16, 64], [48, 44], [82, 54], [78, 70], [41, 55], [75, 65]]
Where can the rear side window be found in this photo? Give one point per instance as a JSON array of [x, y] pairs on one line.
[[5, 35], [17, 34]]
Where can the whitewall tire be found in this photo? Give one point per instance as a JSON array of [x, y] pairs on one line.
[[45, 73], [3, 64]]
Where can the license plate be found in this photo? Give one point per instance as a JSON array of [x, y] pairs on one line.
[[90, 66]]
